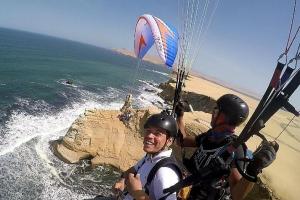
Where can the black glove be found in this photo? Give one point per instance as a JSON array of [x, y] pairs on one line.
[[181, 107], [263, 156]]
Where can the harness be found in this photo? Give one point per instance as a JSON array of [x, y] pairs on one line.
[[208, 151], [165, 162]]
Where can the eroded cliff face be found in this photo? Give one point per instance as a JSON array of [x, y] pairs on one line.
[[101, 136], [199, 102]]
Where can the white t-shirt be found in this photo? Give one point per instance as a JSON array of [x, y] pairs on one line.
[[164, 178]]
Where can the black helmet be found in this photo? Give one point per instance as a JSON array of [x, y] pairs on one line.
[[234, 108], [165, 121]]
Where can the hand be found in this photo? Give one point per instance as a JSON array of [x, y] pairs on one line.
[[135, 188], [181, 107], [262, 157], [119, 186], [133, 183]]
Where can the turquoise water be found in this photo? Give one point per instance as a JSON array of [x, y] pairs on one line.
[[37, 106]]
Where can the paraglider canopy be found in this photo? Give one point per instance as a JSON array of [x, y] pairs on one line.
[[149, 30]]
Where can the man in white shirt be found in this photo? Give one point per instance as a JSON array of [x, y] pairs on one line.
[[160, 132]]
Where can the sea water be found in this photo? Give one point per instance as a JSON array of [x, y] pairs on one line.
[[37, 106]]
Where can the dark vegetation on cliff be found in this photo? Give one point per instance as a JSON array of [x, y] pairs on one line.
[[199, 102]]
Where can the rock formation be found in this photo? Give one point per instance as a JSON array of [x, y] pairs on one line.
[[101, 136], [198, 102]]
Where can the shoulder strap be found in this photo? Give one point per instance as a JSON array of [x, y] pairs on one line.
[[165, 162]]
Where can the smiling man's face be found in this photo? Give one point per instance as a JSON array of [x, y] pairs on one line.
[[155, 140]]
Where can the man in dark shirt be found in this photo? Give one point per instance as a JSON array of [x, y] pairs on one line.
[[229, 113]]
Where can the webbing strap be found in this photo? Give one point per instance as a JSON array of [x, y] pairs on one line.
[[165, 162]]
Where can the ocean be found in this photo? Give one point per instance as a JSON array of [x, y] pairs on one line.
[[37, 106]]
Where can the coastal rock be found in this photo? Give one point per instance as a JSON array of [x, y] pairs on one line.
[[101, 136], [198, 102]]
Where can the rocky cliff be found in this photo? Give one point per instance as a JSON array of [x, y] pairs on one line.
[[101, 136]]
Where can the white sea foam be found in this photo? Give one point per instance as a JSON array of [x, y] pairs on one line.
[[109, 93], [49, 164], [22, 101], [36, 106], [149, 95], [46, 126], [148, 99], [113, 92], [149, 83], [158, 72], [58, 192], [52, 190], [22, 127]]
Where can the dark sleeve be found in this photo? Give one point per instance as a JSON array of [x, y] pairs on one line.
[[199, 138]]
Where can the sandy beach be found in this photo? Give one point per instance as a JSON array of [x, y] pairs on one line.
[[283, 175]]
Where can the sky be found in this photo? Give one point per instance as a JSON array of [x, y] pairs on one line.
[[241, 46]]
